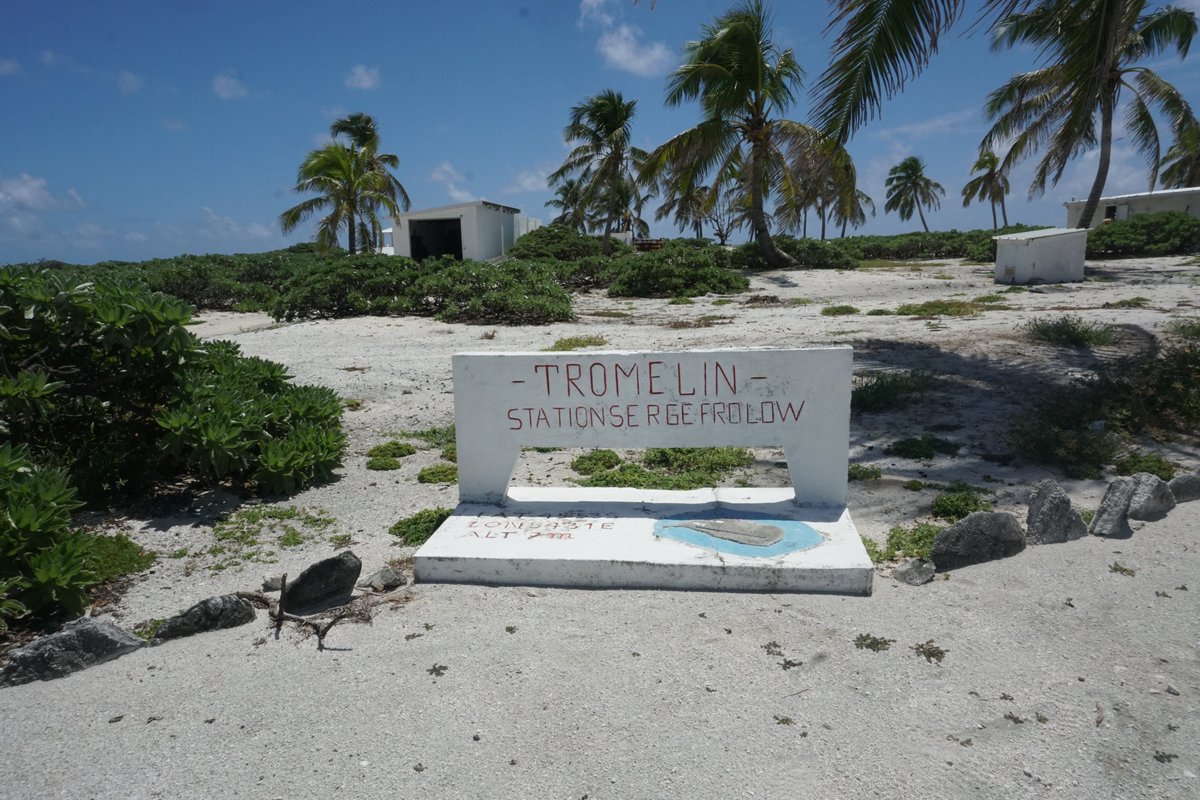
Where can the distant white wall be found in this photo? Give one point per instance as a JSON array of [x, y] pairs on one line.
[[1129, 205], [487, 230]]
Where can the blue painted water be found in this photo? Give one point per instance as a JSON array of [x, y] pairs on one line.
[[796, 535]]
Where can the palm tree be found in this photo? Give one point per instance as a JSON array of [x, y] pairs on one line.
[[352, 183], [568, 199], [684, 199], [853, 212], [742, 80], [360, 128], [1181, 165], [602, 160], [1068, 106], [909, 188], [990, 184]]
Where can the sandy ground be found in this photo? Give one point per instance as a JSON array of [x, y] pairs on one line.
[[1061, 677]]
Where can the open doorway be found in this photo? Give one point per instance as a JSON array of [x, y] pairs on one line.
[[434, 238]]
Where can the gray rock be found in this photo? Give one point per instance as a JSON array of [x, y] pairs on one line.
[[324, 584], [384, 580], [915, 571], [80, 644], [1151, 499], [982, 536], [1051, 519], [211, 614], [1185, 488], [272, 582], [1110, 516]]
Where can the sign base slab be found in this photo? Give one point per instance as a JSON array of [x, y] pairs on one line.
[[753, 540]]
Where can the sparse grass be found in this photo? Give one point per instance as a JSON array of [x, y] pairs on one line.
[[838, 311], [864, 472], [802, 301], [889, 391], [922, 448], [914, 542], [433, 437], [879, 312], [943, 276], [953, 506], [438, 473], [351, 403], [1121, 569], [1146, 462], [595, 461], [1016, 290], [914, 485], [450, 453], [1129, 302], [383, 463], [341, 540], [722, 301], [1186, 328], [609, 314], [254, 534], [677, 468], [941, 308], [392, 449], [876, 644], [1087, 515], [114, 556], [989, 299], [681, 301], [706, 321], [1069, 331], [569, 343], [415, 530], [930, 651]]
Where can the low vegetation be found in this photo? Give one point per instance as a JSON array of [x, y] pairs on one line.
[[1145, 462], [1069, 330], [942, 308], [677, 468], [1163, 234], [889, 391], [838, 311], [864, 472], [921, 448], [570, 343], [417, 529], [912, 542], [953, 506]]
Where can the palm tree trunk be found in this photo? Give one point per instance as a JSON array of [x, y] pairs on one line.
[[843, 236], [921, 214], [822, 212], [993, 215], [1003, 211], [607, 248], [1106, 120], [775, 258], [350, 234]]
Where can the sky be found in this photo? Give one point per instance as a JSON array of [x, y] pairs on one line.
[[139, 129]]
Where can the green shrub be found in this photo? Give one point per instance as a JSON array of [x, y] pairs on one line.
[[1069, 331], [570, 343], [863, 472], [677, 468], [434, 437], [44, 566], [438, 473], [809, 253], [888, 391], [690, 459], [417, 529], [113, 556], [559, 243], [1186, 328], [383, 463], [1163, 234], [974, 245], [914, 542], [508, 293], [10, 607], [1146, 462], [954, 506], [940, 308], [922, 448], [595, 461], [392, 449], [838, 311], [675, 272]]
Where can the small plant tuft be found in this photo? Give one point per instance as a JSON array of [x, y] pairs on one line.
[[415, 530], [930, 651], [838, 311], [442, 472], [864, 472], [1069, 331], [876, 644], [569, 343]]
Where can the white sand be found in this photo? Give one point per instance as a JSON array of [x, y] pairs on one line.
[[615, 694]]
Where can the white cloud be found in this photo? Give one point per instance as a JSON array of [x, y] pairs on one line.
[[623, 49], [363, 77], [214, 226], [172, 124], [528, 180], [135, 237], [594, 11], [25, 192], [90, 235], [951, 122], [75, 199], [9, 67], [129, 82], [49, 57], [450, 178], [227, 86]]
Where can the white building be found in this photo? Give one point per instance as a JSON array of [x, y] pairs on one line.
[[474, 231], [1124, 206]]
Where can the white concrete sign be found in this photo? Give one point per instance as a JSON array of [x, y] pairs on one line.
[[797, 399]]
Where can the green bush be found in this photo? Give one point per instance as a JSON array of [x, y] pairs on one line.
[[1153, 463], [508, 293], [1069, 330], [675, 272], [44, 566], [392, 449], [953, 506], [888, 391], [863, 472], [382, 463], [838, 311], [595, 461], [1166, 233], [557, 242], [914, 542], [417, 529], [441, 472], [922, 448], [113, 556], [973, 245]]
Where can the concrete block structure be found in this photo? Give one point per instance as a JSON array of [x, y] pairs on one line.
[[1124, 206], [476, 231]]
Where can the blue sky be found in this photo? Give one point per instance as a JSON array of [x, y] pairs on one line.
[[133, 130]]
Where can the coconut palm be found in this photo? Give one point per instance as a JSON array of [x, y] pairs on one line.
[[1067, 107], [854, 211], [602, 160], [743, 81], [363, 133], [684, 199], [568, 199], [909, 188], [991, 184], [1181, 165], [353, 183]]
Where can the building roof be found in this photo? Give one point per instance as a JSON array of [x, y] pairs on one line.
[[1136, 195], [457, 206]]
